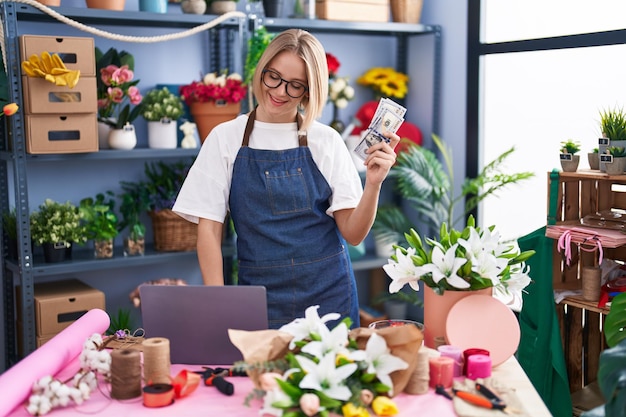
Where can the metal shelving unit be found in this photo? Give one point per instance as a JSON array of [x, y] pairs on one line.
[[14, 160]]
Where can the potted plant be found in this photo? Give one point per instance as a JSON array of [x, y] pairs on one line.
[[221, 6], [568, 157], [100, 222], [214, 99], [615, 160], [613, 128], [56, 227], [119, 99], [161, 109], [134, 202], [594, 158]]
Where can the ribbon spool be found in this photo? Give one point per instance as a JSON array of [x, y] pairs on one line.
[[125, 374], [156, 360], [456, 354], [478, 366], [158, 395], [472, 351], [441, 371]]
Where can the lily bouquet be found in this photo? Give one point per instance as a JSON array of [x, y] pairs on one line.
[[323, 371], [466, 260]]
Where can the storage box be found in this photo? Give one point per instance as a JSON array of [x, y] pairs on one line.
[[353, 10], [59, 304], [76, 53], [43, 97], [71, 133]]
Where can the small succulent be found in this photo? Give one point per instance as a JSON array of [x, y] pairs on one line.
[[161, 104], [570, 146], [616, 151]]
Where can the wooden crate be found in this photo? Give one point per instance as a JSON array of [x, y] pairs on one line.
[[353, 10], [581, 321]]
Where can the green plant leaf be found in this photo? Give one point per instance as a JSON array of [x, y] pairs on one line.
[[615, 322]]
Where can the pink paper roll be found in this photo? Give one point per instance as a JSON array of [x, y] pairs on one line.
[[49, 359], [478, 366]]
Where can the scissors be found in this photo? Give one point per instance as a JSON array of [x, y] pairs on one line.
[[488, 399]]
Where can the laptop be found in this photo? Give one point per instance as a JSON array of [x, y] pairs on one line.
[[196, 319]]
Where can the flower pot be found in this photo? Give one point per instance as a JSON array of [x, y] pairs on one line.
[[154, 6], [436, 309], [210, 114], [617, 167], [603, 147], [162, 134], [106, 4], [223, 6], [103, 135], [50, 2], [406, 11], [193, 6], [273, 8], [571, 164], [134, 246], [124, 138], [103, 248], [56, 252], [594, 160]]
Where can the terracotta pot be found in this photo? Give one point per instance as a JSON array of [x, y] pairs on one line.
[[106, 4], [436, 309], [50, 2], [210, 114]]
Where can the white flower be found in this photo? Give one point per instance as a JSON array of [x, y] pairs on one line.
[[325, 377], [341, 103], [446, 266], [403, 271], [234, 76], [270, 398], [302, 328], [209, 78], [348, 92], [332, 341], [381, 361]]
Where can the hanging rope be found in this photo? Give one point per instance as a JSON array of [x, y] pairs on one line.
[[115, 36]]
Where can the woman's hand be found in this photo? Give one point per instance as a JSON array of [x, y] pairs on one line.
[[380, 158]]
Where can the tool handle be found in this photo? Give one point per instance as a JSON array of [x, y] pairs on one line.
[[221, 384], [488, 393], [473, 399]]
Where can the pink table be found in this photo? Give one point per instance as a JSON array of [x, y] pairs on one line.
[[210, 402]]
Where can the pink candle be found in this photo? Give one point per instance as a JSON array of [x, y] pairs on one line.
[[456, 354], [478, 366], [441, 371]]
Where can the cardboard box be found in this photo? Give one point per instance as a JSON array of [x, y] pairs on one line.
[[59, 304], [353, 10], [42, 97], [39, 340], [76, 53], [71, 133]]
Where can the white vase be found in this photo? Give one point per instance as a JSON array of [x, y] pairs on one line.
[[124, 138], [162, 134], [103, 135]]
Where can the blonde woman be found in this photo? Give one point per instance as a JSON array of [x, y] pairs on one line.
[[292, 190]]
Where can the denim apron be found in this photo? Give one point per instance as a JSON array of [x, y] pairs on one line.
[[285, 240]]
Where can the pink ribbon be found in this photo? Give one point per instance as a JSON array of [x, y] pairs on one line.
[[565, 245]]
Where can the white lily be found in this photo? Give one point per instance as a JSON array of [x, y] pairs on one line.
[[302, 328], [446, 266], [324, 377], [381, 361], [403, 271], [332, 341]]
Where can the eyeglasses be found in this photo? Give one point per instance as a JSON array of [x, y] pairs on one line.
[[272, 79]]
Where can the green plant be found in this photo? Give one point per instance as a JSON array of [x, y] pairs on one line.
[[120, 321], [55, 222], [595, 150], [616, 151], [613, 123], [161, 104], [98, 216], [422, 181], [9, 223], [134, 202], [256, 46], [570, 146]]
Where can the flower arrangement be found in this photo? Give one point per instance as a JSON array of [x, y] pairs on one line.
[[466, 260], [117, 88], [160, 104], [331, 371], [49, 393], [213, 87], [339, 91], [385, 82], [56, 222]]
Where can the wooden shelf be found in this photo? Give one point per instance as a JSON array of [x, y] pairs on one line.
[[579, 302]]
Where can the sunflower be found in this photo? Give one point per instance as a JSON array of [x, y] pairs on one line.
[[385, 82]]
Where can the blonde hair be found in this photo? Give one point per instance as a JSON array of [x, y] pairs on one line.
[[307, 47]]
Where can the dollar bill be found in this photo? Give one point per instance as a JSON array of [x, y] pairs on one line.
[[388, 117]]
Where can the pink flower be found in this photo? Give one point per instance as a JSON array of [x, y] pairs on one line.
[[310, 404], [122, 75], [106, 74], [134, 95], [367, 396], [267, 381], [116, 95]]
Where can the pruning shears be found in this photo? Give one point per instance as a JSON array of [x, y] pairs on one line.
[[485, 399]]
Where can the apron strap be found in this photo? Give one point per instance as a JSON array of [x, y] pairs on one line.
[[302, 137]]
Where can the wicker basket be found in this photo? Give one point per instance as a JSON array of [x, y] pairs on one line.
[[406, 11], [172, 233]]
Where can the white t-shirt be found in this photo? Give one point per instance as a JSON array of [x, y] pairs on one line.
[[205, 192]]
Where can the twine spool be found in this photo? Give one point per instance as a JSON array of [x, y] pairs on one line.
[[418, 381], [125, 374], [591, 281], [156, 360]]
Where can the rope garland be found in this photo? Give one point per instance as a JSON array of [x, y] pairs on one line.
[[115, 36]]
